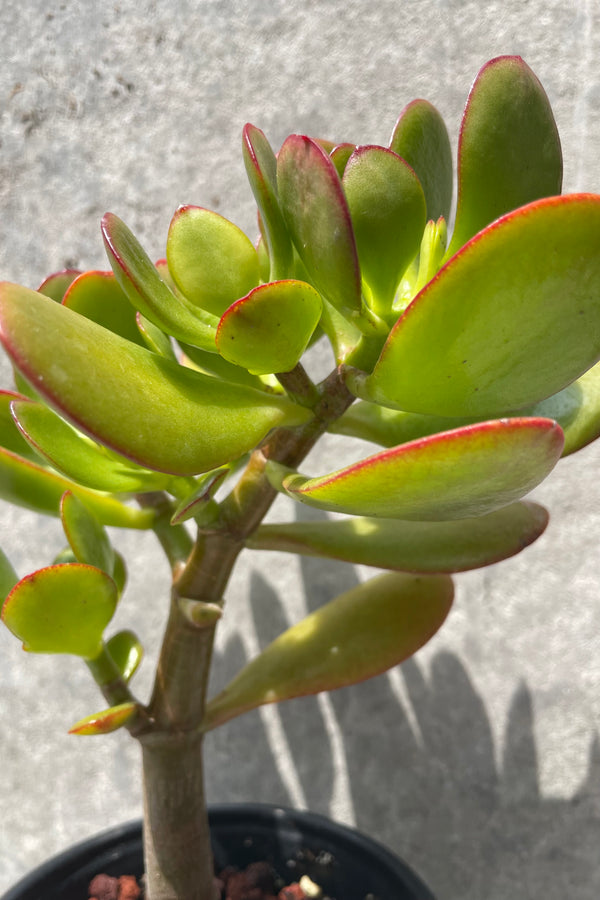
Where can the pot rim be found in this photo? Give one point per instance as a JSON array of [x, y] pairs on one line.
[[120, 838]]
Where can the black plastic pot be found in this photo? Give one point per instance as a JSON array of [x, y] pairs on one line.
[[346, 864]]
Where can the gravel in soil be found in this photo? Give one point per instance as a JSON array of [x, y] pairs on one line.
[[257, 882]]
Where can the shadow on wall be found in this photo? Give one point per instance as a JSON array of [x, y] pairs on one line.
[[473, 830]]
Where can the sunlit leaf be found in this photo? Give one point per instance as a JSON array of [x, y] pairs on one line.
[[26, 483], [359, 634], [261, 168], [8, 576], [481, 339], [210, 259], [509, 150], [424, 547], [576, 409], [388, 213], [149, 294], [318, 219], [457, 474], [99, 297], [61, 609], [126, 652], [80, 458], [161, 415], [10, 436], [214, 364], [86, 536], [106, 721], [421, 138], [55, 285], [269, 330]]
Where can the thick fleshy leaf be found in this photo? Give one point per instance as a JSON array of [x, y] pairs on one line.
[[86, 536], [26, 483], [126, 652], [358, 635], [481, 338], [340, 155], [269, 330], [576, 409], [199, 503], [425, 547], [154, 339], [148, 293], [211, 260], [387, 207], [509, 149], [106, 721], [458, 474], [261, 168], [8, 576], [76, 456], [214, 365], [62, 609], [161, 415], [99, 297], [318, 219], [421, 138], [55, 286], [10, 436]]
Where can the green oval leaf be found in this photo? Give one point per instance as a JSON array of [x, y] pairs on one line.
[[99, 297], [148, 293], [61, 609], [161, 415], [55, 286], [210, 259], [25, 483], [8, 576], [79, 458], [214, 365], [86, 536], [269, 330], [358, 635], [126, 652], [388, 213], [106, 721], [425, 547], [155, 339], [10, 436], [509, 150], [576, 409], [457, 474], [261, 168], [199, 503], [317, 217], [421, 138], [340, 155], [481, 338]]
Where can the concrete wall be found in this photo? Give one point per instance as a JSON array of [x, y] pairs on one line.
[[478, 761]]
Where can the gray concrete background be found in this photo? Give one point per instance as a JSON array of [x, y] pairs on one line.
[[479, 760]]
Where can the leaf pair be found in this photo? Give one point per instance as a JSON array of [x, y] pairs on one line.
[[365, 228], [262, 329]]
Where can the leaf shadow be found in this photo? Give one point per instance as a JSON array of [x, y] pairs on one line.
[[421, 768]]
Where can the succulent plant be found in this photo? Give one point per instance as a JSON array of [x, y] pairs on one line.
[[173, 397]]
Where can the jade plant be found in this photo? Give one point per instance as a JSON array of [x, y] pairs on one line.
[[177, 396]]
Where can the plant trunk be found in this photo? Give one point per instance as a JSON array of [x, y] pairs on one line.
[[176, 836], [176, 826]]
